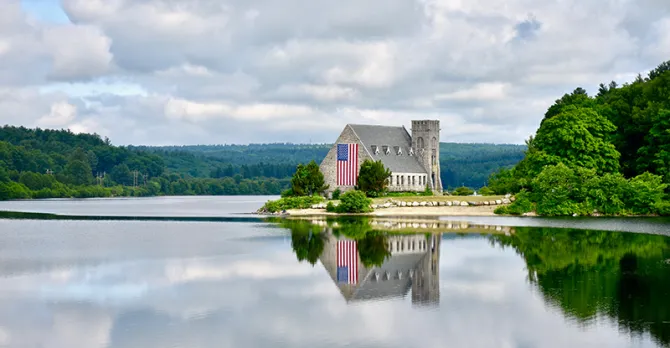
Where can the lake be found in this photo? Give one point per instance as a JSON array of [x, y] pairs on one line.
[[202, 272]]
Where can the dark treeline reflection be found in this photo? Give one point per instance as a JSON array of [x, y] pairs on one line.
[[586, 274], [625, 276], [369, 264]]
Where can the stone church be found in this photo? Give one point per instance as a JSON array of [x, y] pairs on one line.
[[414, 160]]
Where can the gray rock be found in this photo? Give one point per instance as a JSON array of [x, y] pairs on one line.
[[423, 204], [449, 203], [498, 201], [506, 201], [487, 203], [415, 204], [464, 204]]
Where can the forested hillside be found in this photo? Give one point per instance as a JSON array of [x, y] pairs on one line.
[[37, 163], [606, 154], [461, 164]]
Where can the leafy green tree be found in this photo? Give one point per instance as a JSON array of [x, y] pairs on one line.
[[354, 202], [373, 178], [645, 191], [308, 180], [606, 193], [121, 174], [79, 172], [485, 191], [554, 189], [578, 137]]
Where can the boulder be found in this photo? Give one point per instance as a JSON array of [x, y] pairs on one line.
[[464, 204], [512, 198], [387, 205], [472, 203], [498, 201], [487, 203], [492, 202], [403, 204], [449, 204], [415, 204], [506, 201], [423, 204], [456, 203]]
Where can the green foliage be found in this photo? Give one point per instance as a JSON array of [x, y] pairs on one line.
[[485, 191], [577, 137], [308, 180], [662, 208], [13, 190], [74, 159], [286, 203], [503, 182], [609, 154], [522, 204], [645, 192], [427, 192], [330, 207], [354, 202], [463, 191], [373, 178], [337, 193]]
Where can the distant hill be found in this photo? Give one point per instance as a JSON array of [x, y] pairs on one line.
[[461, 164]]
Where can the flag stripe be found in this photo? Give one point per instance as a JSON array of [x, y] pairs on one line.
[[347, 164], [347, 259]]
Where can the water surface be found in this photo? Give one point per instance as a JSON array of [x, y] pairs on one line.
[[468, 282]]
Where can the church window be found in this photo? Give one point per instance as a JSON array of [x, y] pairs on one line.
[[419, 143]]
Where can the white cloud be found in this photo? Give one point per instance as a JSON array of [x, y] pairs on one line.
[[61, 114], [159, 71]]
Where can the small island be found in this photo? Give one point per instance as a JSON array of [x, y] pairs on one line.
[[603, 155]]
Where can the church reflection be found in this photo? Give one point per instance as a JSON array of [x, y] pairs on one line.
[[412, 263]]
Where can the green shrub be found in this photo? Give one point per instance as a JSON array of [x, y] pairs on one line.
[[330, 207], [485, 191], [606, 194], [285, 203], [337, 193], [14, 190], [463, 191], [644, 192], [427, 191], [662, 208], [523, 204], [354, 202]]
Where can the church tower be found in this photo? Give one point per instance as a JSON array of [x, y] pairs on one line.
[[426, 145]]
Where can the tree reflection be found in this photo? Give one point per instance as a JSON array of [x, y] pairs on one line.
[[307, 239], [586, 273]]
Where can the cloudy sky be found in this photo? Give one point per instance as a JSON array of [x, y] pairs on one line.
[[239, 71]]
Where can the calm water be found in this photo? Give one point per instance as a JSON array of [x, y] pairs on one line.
[[242, 281]]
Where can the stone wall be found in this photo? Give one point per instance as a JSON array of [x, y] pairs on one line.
[[329, 164], [404, 182]]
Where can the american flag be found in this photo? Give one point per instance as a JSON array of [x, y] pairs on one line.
[[347, 164], [347, 261]]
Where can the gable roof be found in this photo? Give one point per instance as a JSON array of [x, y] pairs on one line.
[[392, 137]]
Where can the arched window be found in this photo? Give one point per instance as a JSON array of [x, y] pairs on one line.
[[433, 143], [419, 143]]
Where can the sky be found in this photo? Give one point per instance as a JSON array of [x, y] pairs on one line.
[[162, 72]]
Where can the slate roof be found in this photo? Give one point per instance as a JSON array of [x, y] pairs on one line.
[[394, 138], [370, 288]]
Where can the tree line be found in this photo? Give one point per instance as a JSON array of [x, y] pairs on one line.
[[37, 163], [604, 154]]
